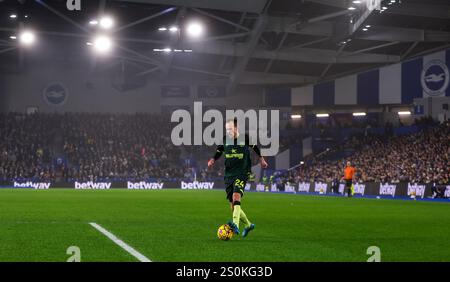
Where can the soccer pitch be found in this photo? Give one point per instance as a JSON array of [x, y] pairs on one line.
[[181, 225]]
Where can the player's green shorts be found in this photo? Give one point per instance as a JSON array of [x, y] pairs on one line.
[[235, 184]]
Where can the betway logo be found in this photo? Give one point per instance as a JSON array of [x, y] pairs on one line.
[[418, 190], [93, 185], [197, 185], [34, 185], [144, 185], [447, 191], [387, 189]]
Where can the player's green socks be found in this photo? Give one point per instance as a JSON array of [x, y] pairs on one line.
[[244, 219], [236, 214]]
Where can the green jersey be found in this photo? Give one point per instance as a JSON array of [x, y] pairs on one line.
[[237, 156]]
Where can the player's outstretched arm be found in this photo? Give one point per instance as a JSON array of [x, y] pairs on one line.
[[217, 155], [261, 158], [263, 162]]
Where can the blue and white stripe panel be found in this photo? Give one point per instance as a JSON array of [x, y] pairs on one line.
[[302, 96], [390, 85], [345, 91], [368, 88], [401, 83]]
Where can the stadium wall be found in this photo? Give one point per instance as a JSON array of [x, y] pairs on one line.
[[397, 84], [390, 190], [438, 108], [55, 88], [3, 107], [282, 160]]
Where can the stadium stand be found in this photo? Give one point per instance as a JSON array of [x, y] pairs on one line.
[[119, 147], [421, 157]]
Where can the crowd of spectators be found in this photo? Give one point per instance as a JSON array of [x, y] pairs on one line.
[[119, 146], [423, 157], [25, 146], [94, 146]]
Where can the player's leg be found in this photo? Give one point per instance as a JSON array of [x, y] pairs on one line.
[[347, 187], [248, 226], [230, 187], [237, 192], [240, 216], [236, 208], [237, 198]]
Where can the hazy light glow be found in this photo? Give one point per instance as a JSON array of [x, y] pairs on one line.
[[404, 113], [296, 116], [322, 115], [102, 44], [359, 114], [195, 29], [106, 22], [27, 38]]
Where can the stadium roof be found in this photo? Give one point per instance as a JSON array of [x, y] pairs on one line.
[[246, 41]]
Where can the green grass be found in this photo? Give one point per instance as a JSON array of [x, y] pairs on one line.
[[179, 225]]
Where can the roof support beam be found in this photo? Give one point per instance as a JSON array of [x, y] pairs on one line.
[[225, 59], [250, 6], [384, 33], [421, 10], [274, 78], [288, 54], [269, 64], [222, 37], [168, 10], [410, 49], [8, 49], [67, 19], [328, 67], [239, 26], [238, 50], [355, 26], [377, 33], [250, 47], [372, 48], [335, 3], [199, 71], [308, 43], [174, 41]]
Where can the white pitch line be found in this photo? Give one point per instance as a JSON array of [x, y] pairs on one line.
[[121, 243]]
